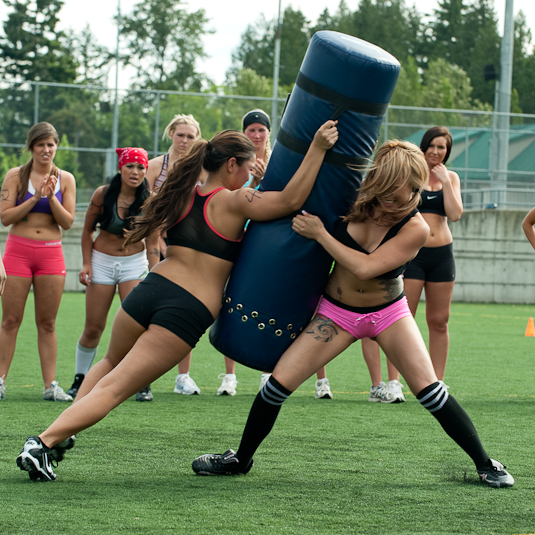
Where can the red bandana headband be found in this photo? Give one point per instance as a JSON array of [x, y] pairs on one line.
[[133, 155]]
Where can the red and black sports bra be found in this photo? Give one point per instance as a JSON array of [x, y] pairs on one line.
[[341, 234], [194, 231]]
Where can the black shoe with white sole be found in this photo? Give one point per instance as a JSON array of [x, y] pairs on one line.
[[226, 464], [36, 459]]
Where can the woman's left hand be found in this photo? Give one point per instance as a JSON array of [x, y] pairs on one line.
[[307, 225], [441, 172]]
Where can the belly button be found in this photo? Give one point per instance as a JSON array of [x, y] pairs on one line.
[[361, 291]]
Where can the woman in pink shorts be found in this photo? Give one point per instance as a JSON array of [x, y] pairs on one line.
[[37, 201], [364, 298]]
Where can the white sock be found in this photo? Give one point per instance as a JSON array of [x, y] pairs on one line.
[[231, 375], [183, 374], [84, 358]]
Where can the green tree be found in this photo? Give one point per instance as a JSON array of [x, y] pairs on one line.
[[92, 58], [256, 50], [164, 43], [33, 48], [524, 66]]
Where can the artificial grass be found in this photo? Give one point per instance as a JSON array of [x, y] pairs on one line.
[[329, 466]]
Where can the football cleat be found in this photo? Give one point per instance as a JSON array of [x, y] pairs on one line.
[[496, 475], [35, 459], [226, 464]]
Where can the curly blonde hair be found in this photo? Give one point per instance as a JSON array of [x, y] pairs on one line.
[[395, 164]]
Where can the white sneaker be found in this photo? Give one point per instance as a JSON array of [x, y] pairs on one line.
[[375, 392], [323, 389], [184, 384], [228, 385], [2, 387], [55, 393], [391, 392], [263, 380]]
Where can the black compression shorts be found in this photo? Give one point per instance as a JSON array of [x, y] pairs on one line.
[[433, 264], [158, 301]]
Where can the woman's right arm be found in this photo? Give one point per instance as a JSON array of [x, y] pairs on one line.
[[266, 205], [527, 227], [93, 210], [10, 213]]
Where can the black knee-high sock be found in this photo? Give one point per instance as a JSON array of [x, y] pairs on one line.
[[261, 419], [455, 421]]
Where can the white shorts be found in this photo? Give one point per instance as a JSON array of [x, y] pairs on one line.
[[112, 270]]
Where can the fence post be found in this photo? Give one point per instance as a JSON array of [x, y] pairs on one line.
[[156, 125], [385, 130], [36, 105]]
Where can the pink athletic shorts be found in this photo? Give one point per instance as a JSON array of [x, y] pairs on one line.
[[24, 257], [364, 322]]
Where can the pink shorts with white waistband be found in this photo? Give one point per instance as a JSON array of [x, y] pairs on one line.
[[365, 324], [24, 257]]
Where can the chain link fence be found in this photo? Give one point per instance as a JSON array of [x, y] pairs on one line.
[[84, 118]]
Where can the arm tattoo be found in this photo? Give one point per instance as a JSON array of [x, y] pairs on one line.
[[392, 287], [4, 194], [252, 195], [322, 329], [155, 252]]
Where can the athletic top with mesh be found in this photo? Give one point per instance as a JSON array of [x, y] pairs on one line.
[[193, 230], [432, 203], [341, 234]]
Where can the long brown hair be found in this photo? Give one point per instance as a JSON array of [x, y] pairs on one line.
[[163, 209], [396, 164], [37, 133]]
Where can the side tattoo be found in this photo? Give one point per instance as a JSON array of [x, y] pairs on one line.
[[392, 287], [252, 195], [322, 329], [333, 290]]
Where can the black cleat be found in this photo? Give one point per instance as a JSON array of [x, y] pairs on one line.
[[496, 475], [78, 379], [226, 464], [144, 395], [57, 452], [35, 459]]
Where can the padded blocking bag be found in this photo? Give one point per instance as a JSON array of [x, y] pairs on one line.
[[279, 277]]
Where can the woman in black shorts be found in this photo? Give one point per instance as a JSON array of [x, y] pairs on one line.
[[162, 319], [434, 267]]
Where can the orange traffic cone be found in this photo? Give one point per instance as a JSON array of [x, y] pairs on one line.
[[530, 329]]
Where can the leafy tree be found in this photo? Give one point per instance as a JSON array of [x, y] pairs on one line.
[[256, 50], [164, 43], [33, 48], [93, 59], [524, 66]]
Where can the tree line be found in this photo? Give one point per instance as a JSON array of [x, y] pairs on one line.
[[448, 59]]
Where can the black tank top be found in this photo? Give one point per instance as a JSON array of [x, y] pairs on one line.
[[195, 232], [341, 234], [432, 203]]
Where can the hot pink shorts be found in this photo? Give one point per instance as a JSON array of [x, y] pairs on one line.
[[24, 257], [364, 322]]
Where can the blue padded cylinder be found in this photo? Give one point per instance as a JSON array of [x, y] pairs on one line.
[[279, 277]]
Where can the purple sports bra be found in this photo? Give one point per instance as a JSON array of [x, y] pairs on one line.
[[43, 205]]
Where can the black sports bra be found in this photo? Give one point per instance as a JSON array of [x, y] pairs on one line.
[[341, 234], [195, 232], [432, 202]]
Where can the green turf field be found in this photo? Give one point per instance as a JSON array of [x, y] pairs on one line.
[[340, 466]]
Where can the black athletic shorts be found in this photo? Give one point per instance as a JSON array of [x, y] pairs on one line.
[[158, 301], [432, 264]]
